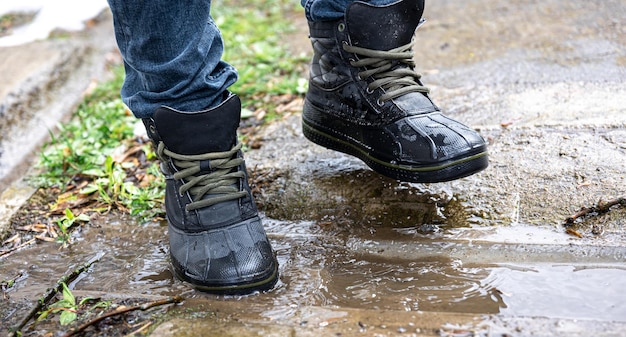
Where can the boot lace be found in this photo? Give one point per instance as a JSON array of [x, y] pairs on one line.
[[210, 173], [391, 70]]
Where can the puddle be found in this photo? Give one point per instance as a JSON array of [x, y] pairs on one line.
[[360, 200], [374, 247], [394, 269]]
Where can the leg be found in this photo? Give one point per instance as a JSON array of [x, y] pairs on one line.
[[177, 83], [365, 98], [172, 55], [330, 10]]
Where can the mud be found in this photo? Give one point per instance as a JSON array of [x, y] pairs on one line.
[[383, 278], [43, 82], [364, 255]]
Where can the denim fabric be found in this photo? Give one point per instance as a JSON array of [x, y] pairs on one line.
[[329, 10], [172, 54], [172, 51]]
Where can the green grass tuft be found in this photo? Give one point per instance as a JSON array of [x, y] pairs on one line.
[[80, 157]]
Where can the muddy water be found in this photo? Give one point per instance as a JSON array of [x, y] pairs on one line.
[[380, 267]]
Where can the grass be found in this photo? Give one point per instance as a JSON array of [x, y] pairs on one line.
[[12, 20], [96, 163], [254, 33]]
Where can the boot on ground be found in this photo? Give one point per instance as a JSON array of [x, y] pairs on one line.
[[365, 98], [217, 241]]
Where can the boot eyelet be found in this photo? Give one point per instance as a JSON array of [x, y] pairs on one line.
[[380, 103], [369, 91], [358, 77], [341, 27]]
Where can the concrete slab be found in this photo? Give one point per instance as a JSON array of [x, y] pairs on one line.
[[42, 82]]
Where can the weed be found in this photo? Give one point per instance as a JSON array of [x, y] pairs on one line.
[[84, 155], [254, 33], [66, 222], [69, 308]]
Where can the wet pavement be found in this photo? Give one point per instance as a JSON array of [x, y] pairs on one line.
[[363, 255]]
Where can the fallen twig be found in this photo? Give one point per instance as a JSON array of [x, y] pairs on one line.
[[142, 328], [572, 231], [51, 292], [6, 285], [9, 251], [122, 310], [600, 208]]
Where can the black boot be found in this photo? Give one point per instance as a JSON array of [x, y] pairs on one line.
[[217, 241], [365, 98]]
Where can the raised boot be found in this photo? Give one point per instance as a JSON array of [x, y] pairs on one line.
[[365, 98], [217, 241]]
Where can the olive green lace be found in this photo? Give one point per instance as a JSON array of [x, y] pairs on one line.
[[384, 67], [218, 182]]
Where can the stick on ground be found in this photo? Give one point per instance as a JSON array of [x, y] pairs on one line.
[[51, 292], [122, 310], [600, 208]]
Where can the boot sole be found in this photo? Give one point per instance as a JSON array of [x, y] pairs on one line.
[[440, 172], [231, 289]]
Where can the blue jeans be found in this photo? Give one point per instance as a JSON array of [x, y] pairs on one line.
[[172, 51]]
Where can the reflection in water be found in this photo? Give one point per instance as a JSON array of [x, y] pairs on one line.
[[564, 291], [322, 266], [427, 285]]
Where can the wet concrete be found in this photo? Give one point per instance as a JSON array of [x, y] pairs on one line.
[[363, 255], [42, 82]]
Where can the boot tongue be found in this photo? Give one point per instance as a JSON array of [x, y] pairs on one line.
[[383, 28], [212, 130]]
